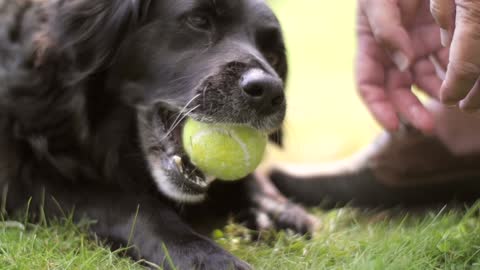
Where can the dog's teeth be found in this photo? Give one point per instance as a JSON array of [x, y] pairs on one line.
[[209, 179], [201, 182], [178, 162]]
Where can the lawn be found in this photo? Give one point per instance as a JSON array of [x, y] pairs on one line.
[[348, 239], [326, 121]]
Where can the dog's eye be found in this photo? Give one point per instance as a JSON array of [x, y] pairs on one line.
[[199, 22], [272, 59]]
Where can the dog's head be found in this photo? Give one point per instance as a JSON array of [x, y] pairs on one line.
[[217, 61]]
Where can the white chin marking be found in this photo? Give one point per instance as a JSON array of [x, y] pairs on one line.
[[170, 190]]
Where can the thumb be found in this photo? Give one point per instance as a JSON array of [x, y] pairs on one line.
[[384, 18], [443, 12], [464, 67]]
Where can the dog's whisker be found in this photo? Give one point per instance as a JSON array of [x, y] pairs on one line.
[[186, 77], [204, 91], [182, 116], [178, 122], [185, 108], [185, 115], [180, 113], [182, 78], [192, 172]]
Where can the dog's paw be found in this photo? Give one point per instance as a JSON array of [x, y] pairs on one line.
[[296, 218], [273, 214], [270, 209], [284, 215], [204, 255]]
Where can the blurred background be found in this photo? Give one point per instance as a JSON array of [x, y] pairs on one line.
[[326, 119]]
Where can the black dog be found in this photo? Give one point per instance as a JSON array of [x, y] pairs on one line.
[[403, 169], [93, 94]]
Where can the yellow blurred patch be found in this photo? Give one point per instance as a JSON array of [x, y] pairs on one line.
[[326, 119]]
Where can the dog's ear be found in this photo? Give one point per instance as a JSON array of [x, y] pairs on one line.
[[90, 31]]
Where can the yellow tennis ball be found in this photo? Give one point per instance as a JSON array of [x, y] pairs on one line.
[[228, 152]]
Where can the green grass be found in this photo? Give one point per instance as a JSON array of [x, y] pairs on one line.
[[58, 246], [325, 121], [353, 240], [348, 239]]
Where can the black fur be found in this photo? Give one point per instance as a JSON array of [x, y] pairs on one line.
[[363, 189], [88, 92], [403, 169]]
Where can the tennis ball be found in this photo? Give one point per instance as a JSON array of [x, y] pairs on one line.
[[228, 152]]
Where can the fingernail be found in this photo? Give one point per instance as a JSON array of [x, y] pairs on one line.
[[448, 101], [439, 70], [464, 106], [400, 60], [445, 38]]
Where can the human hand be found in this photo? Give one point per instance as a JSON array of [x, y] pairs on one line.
[[397, 41], [460, 23]]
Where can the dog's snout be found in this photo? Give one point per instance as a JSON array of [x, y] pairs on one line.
[[263, 90]]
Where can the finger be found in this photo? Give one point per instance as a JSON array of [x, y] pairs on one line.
[[464, 65], [472, 102], [374, 96], [443, 56], [386, 26], [444, 13], [409, 10], [371, 82], [380, 106], [426, 78], [426, 40], [406, 103], [440, 71]]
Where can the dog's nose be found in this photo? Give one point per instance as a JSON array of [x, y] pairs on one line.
[[264, 91]]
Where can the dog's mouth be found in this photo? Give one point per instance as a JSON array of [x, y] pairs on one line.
[[218, 100], [176, 176]]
